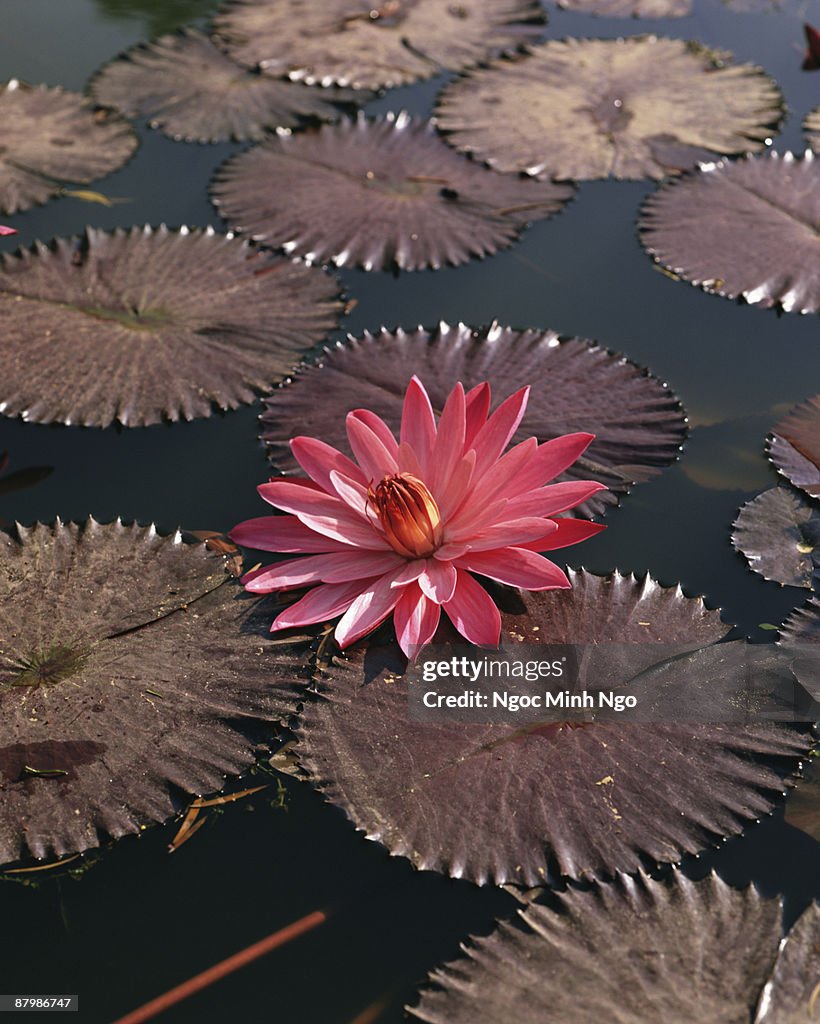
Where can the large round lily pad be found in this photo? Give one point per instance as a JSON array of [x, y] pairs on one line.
[[744, 229], [634, 951], [138, 325], [374, 45], [50, 136], [127, 663], [794, 446], [192, 90], [630, 8], [576, 386], [379, 194], [640, 107], [504, 803], [779, 534]]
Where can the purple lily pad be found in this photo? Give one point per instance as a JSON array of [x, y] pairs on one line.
[[811, 126], [635, 951], [790, 996], [191, 90], [743, 229], [576, 386], [779, 534], [495, 802], [138, 325], [374, 45], [799, 634], [380, 194], [630, 8], [803, 805], [640, 107], [794, 447], [127, 667], [50, 136]]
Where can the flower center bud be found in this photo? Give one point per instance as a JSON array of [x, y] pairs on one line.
[[409, 515]]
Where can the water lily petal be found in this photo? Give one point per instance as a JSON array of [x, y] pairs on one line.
[[416, 620], [418, 423], [516, 567], [569, 531], [351, 492], [504, 475], [449, 439], [320, 604], [370, 607], [552, 499], [497, 432], [438, 581], [285, 534], [512, 533], [477, 408], [472, 612], [337, 567], [323, 513], [456, 490], [552, 458], [379, 428], [375, 459], [317, 459]]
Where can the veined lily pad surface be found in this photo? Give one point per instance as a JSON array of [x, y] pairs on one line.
[[378, 194], [779, 534], [501, 803], [126, 662], [576, 385], [811, 126], [50, 136], [744, 229], [640, 107], [630, 8], [635, 951], [794, 446], [192, 90], [374, 45], [140, 325]]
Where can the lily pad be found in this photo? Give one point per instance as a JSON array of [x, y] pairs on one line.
[[127, 665], [51, 136], [138, 325], [743, 229], [495, 802], [640, 107], [630, 8], [811, 126], [576, 386], [794, 446], [380, 194], [779, 534], [799, 634], [374, 45], [191, 90], [803, 805], [635, 951]]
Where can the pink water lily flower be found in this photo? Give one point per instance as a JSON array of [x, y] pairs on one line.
[[405, 526]]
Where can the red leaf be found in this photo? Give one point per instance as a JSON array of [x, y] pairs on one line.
[[811, 62]]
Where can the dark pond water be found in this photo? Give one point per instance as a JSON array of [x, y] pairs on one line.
[[139, 921]]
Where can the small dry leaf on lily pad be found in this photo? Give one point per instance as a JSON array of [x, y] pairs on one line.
[[127, 665], [630, 8], [145, 324], [778, 532], [811, 126], [742, 229], [50, 136], [374, 44], [640, 107], [576, 386], [503, 803], [636, 951], [794, 447], [379, 194], [192, 90]]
